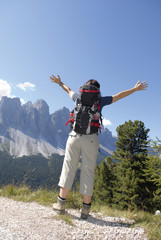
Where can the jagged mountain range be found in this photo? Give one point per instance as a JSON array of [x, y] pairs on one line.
[[30, 129]]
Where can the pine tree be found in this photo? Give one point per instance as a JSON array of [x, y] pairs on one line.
[[104, 182], [131, 189], [153, 172]]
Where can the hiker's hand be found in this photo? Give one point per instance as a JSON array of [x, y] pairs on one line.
[[141, 86], [55, 79]]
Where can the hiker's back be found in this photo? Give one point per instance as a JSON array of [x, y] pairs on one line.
[[85, 117]]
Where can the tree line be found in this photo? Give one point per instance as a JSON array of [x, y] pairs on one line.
[[34, 171]]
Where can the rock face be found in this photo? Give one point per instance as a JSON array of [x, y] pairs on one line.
[[30, 129], [10, 111]]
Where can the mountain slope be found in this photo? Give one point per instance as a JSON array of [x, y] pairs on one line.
[[30, 129]]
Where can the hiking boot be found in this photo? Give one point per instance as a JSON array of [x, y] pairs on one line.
[[85, 211], [59, 206]]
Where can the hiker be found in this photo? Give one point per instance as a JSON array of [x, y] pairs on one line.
[[83, 140]]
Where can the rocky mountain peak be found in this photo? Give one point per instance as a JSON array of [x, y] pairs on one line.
[[41, 106], [10, 111]]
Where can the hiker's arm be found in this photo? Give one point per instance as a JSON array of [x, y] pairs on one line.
[[138, 87], [57, 80]]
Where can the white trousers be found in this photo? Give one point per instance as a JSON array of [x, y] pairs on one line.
[[87, 147]]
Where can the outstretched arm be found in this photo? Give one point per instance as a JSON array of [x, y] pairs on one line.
[[138, 87], [57, 80]]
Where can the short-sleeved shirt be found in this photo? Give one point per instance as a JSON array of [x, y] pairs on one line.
[[103, 100]]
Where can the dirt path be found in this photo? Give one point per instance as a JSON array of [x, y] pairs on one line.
[[31, 221]]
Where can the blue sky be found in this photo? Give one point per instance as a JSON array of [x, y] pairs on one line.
[[116, 42]]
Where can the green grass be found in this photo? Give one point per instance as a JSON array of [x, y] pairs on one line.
[[148, 221], [42, 196], [66, 218], [24, 193]]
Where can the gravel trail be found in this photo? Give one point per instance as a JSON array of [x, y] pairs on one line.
[[31, 221]]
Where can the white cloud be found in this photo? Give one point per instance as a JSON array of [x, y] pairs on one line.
[[26, 85], [5, 88], [107, 122]]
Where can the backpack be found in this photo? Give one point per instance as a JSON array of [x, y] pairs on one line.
[[84, 119]]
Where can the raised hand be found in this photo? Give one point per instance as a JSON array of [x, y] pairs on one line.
[[55, 79], [141, 86]]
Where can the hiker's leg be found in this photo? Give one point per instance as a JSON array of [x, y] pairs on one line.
[[89, 150], [70, 164], [64, 192], [87, 199], [86, 207]]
